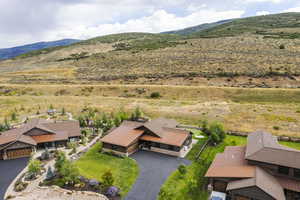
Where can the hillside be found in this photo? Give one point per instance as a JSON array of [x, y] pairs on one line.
[[198, 28], [251, 52], [270, 26], [16, 51]]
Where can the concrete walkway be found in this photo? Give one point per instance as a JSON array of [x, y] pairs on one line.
[[154, 170]]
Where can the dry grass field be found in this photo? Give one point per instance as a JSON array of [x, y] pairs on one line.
[[274, 110], [247, 60]]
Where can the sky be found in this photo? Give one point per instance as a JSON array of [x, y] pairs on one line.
[[29, 21]]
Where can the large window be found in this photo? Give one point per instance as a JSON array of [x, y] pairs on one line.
[[283, 170], [297, 173]]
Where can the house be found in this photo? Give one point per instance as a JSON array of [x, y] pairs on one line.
[[158, 135], [261, 170], [36, 134]]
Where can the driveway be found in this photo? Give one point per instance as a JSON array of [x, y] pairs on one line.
[[9, 169], [154, 170]]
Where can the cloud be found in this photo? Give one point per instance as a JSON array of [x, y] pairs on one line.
[[258, 13], [264, 1], [159, 21], [27, 21]]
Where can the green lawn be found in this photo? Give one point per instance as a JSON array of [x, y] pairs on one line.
[[191, 187], [93, 164]]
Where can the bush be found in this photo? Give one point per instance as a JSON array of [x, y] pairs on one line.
[[20, 186], [165, 195], [107, 179], [60, 160], [13, 116], [182, 170], [69, 173], [217, 132], [282, 46], [137, 114], [276, 128], [155, 95], [34, 167]]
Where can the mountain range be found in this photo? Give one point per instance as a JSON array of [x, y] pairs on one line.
[[7, 53]]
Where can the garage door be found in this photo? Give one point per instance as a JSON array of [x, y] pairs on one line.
[[18, 153]]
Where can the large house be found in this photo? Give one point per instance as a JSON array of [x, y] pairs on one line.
[[38, 133], [262, 170], [159, 135]]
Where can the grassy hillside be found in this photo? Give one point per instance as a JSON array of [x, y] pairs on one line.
[[255, 55], [198, 28], [261, 25]]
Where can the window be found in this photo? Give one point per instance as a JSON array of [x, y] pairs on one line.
[[297, 173], [283, 170]]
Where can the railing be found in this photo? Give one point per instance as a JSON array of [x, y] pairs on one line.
[[202, 149]]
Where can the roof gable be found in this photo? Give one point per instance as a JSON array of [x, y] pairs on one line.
[[157, 126], [264, 147], [263, 181]]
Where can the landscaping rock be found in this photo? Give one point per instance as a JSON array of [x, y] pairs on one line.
[[112, 191], [93, 183]]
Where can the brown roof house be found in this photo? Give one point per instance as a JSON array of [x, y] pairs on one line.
[[262, 170], [159, 135], [38, 133]]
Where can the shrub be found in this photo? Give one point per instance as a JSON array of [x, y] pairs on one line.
[[34, 167], [137, 114], [182, 169], [282, 46], [276, 128], [69, 173], [71, 145], [215, 131], [107, 179], [60, 160], [155, 95], [13, 116], [20, 186], [165, 195]]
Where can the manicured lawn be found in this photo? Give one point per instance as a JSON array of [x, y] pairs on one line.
[[191, 186], [93, 164]]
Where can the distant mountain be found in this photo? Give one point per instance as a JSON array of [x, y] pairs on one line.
[[198, 28], [16, 51]]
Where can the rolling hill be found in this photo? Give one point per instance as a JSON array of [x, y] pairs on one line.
[[198, 28], [250, 52], [8, 53]]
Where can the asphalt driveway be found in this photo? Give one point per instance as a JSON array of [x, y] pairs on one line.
[[154, 170], [9, 169]]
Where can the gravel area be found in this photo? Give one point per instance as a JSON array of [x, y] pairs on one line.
[[55, 193]]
